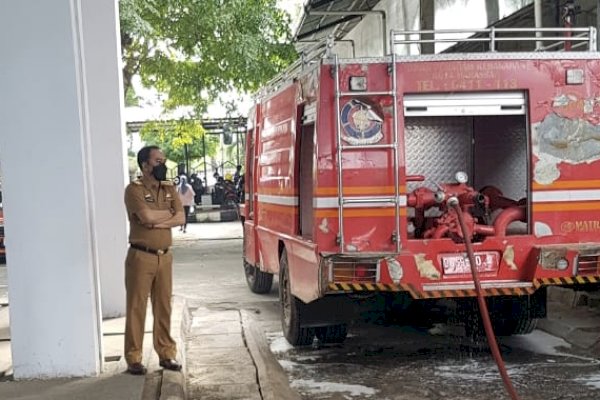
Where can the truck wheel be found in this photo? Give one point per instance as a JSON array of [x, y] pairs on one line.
[[258, 281], [525, 325], [514, 318], [291, 309], [332, 334]]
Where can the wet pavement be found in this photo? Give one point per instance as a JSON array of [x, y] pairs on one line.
[[377, 361], [395, 362], [380, 361]]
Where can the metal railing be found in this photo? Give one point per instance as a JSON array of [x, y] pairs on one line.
[[307, 57], [575, 37]]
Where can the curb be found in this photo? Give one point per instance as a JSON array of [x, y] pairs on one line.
[[173, 382], [273, 380], [214, 216]]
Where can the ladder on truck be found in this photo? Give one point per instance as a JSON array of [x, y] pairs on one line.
[[347, 202]]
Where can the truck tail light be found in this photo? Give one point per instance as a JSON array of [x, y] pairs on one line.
[[588, 264], [354, 272]]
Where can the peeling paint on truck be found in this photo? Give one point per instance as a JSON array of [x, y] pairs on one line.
[[426, 267]]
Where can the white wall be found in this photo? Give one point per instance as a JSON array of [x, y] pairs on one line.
[[60, 156], [400, 15]]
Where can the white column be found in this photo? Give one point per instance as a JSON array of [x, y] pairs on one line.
[[58, 158], [103, 80]]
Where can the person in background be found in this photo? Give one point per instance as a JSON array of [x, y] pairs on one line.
[[198, 186], [186, 194], [238, 174]]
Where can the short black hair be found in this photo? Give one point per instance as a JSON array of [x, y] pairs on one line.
[[144, 154]]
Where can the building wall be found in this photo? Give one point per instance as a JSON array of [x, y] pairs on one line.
[[368, 34]]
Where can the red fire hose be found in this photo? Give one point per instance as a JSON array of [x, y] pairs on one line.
[[485, 316]]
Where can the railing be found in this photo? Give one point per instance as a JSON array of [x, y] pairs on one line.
[[307, 57], [569, 38]]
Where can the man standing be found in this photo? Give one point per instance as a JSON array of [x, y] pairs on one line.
[[153, 208]]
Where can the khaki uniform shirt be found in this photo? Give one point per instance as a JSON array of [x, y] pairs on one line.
[[144, 193]]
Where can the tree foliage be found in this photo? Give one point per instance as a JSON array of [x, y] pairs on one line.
[[173, 136], [192, 50]]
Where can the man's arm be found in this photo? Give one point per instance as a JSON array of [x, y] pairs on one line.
[[175, 220], [153, 217], [178, 218], [136, 205]]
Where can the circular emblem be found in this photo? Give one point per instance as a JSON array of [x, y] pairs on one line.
[[567, 227], [361, 123]]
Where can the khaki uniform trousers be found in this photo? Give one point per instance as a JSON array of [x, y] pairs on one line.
[[148, 274]]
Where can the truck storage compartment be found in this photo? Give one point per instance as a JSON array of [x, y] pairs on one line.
[[462, 133]]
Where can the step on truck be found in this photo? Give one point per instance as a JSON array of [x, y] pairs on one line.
[[350, 163]]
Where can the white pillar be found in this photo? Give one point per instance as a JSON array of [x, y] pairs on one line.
[[59, 143], [103, 79]]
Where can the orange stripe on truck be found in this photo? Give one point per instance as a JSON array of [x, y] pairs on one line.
[[358, 190], [567, 206]]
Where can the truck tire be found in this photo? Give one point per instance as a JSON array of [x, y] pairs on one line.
[[509, 316], [525, 326], [332, 333], [258, 281], [291, 309], [516, 320]]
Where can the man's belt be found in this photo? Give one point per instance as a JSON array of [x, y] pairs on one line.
[[158, 252]]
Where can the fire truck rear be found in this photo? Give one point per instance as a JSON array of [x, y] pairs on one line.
[[351, 164]]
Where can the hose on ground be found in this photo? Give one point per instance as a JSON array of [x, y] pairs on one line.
[[483, 310]]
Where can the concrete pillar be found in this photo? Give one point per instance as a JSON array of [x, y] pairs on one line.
[[102, 61], [59, 144], [492, 9], [427, 11]]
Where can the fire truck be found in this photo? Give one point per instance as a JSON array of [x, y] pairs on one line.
[[351, 164]]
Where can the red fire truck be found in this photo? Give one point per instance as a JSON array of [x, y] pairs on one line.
[[351, 164]]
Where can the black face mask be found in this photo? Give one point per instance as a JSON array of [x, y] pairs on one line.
[[159, 172]]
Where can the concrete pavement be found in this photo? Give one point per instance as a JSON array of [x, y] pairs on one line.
[[113, 383], [228, 358], [574, 318]]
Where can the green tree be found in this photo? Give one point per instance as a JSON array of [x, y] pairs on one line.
[[192, 50], [173, 136]]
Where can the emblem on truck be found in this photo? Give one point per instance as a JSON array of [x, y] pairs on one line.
[[362, 125]]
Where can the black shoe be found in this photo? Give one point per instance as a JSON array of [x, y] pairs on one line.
[[170, 365], [136, 369]]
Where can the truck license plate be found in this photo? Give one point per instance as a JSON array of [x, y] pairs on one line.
[[459, 264]]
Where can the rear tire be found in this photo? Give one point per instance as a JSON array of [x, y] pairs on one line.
[[258, 281], [292, 309], [509, 316], [514, 317], [332, 333]]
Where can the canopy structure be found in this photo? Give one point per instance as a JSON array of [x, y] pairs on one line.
[[323, 18]]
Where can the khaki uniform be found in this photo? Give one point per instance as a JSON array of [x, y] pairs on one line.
[[149, 273]]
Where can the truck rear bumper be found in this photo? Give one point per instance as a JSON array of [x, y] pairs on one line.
[[462, 289]]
